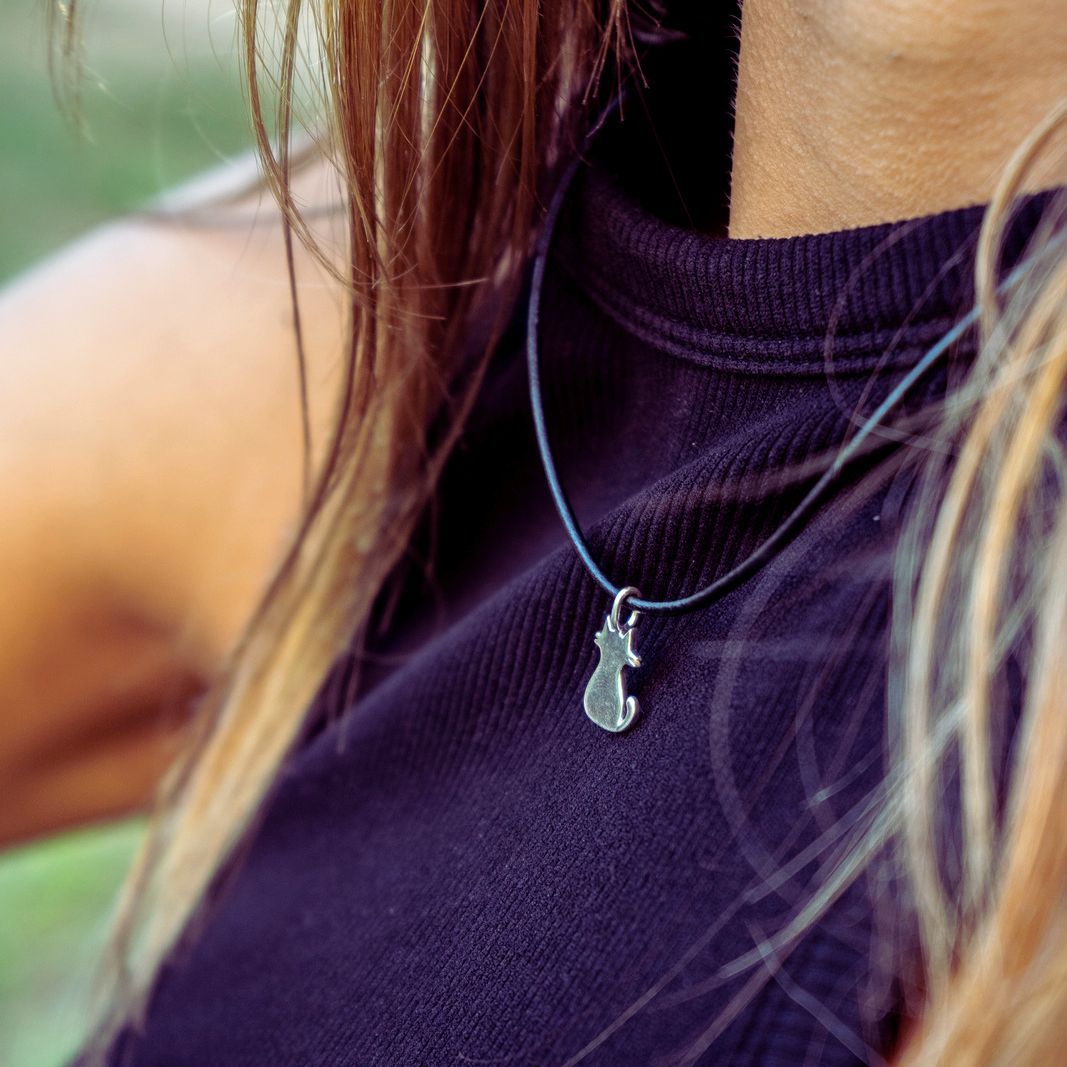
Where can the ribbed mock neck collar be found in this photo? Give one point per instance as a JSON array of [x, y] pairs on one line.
[[874, 293]]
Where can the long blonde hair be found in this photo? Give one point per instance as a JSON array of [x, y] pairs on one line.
[[447, 122]]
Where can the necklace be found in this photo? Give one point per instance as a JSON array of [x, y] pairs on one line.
[[606, 701]]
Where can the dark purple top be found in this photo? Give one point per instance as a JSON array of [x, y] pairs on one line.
[[458, 867]]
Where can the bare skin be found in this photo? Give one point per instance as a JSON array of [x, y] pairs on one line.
[[150, 463], [150, 452], [852, 112]]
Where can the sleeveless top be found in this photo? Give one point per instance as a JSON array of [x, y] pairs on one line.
[[458, 867]]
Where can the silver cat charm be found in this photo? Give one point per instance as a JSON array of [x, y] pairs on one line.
[[606, 701]]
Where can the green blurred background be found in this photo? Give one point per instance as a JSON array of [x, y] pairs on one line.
[[161, 99]]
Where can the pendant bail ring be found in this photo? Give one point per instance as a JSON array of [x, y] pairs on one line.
[[616, 607]]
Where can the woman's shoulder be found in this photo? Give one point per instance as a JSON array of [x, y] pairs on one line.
[[151, 457]]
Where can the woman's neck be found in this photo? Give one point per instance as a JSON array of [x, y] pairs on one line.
[[852, 112]]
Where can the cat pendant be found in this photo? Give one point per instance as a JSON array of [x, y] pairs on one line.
[[606, 701]]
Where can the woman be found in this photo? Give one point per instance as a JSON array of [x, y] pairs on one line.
[[829, 829]]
